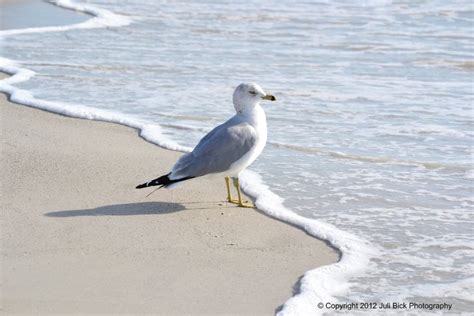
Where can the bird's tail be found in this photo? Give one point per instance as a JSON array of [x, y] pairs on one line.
[[163, 181]]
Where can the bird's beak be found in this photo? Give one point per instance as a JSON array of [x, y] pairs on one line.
[[269, 97]]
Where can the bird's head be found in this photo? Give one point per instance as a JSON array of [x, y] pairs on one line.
[[248, 95]]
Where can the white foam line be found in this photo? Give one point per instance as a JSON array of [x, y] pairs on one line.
[[322, 284], [100, 18], [318, 285], [150, 132]]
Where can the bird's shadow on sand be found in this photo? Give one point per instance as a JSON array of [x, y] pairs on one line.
[[146, 208]]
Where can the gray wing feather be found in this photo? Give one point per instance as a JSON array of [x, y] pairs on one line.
[[217, 151]]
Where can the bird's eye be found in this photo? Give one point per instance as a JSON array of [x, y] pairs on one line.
[[252, 92]]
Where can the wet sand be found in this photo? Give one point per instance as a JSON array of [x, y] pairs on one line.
[[78, 238]]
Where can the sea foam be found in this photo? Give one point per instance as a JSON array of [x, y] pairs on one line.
[[100, 18], [318, 285]]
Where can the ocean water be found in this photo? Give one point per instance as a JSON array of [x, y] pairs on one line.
[[370, 142]]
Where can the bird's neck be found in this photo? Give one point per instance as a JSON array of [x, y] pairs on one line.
[[255, 115]]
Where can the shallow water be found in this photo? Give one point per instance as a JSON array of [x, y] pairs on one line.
[[372, 131], [18, 14]]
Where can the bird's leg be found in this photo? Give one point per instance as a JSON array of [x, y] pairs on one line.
[[229, 195], [239, 194]]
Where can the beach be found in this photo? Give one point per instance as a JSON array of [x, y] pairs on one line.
[[78, 238], [364, 186]]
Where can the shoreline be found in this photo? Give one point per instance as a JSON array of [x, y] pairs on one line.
[[52, 230], [16, 14], [313, 291], [362, 191]]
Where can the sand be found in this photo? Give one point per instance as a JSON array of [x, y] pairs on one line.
[[78, 238]]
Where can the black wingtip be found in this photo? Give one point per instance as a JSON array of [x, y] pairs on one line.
[[164, 181], [141, 186]]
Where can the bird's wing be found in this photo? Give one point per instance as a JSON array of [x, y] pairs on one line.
[[217, 151]]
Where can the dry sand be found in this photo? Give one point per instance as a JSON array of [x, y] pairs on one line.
[[78, 238]]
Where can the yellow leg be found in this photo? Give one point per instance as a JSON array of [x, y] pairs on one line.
[[229, 195], [239, 194]]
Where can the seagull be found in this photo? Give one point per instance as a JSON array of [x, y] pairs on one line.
[[228, 149]]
